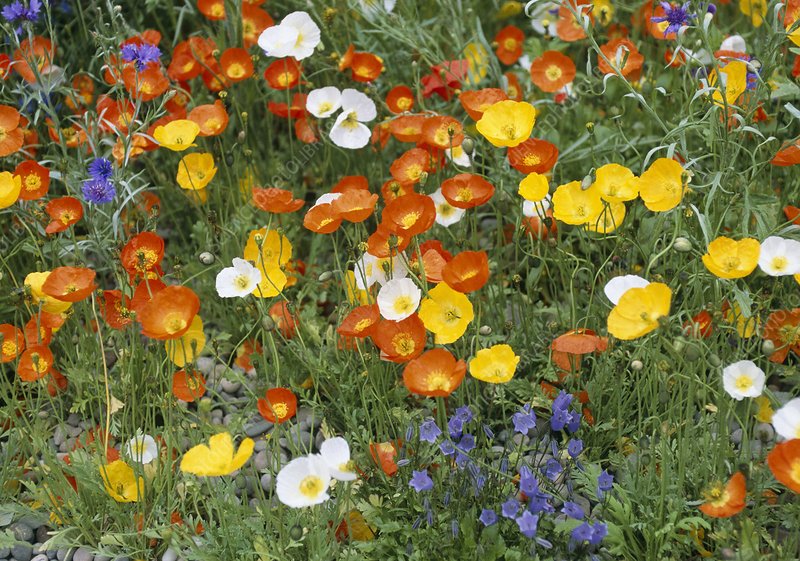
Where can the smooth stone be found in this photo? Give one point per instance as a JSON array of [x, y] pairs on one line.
[[318, 440], [227, 419], [40, 557], [258, 428], [5, 552], [765, 432], [85, 425], [267, 481], [64, 555], [230, 386], [37, 549], [102, 558], [83, 554], [216, 421], [68, 445], [122, 558], [22, 532], [261, 461], [22, 552], [42, 534], [736, 436], [74, 431], [205, 364], [260, 445], [59, 435], [169, 555], [217, 413], [73, 419], [43, 414]]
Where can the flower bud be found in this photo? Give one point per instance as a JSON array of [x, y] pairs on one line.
[[682, 244], [768, 347], [485, 330], [206, 258], [468, 145], [637, 365], [325, 276]]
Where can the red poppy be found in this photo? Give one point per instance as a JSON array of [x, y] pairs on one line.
[[212, 9], [442, 132], [568, 349], [623, 57], [365, 67], [467, 272], [701, 325], [789, 155], [70, 284], [284, 320], [784, 463], [187, 56], [35, 180], [407, 128], [360, 322], [538, 228], [11, 135], [783, 329], [212, 118], [434, 259], [410, 166], [394, 189], [410, 215], [467, 190], [37, 333], [236, 64], [384, 454], [792, 214], [116, 309], [724, 502], [115, 115], [142, 255], [188, 386], [322, 219], [444, 79], [513, 87], [39, 52], [35, 362], [355, 205], [12, 342], [56, 383], [296, 110], [283, 74], [5, 65], [475, 102], [509, 44], [351, 183], [400, 341], [385, 241], [552, 71], [278, 405], [169, 313], [63, 213], [254, 21], [400, 99], [568, 27], [277, 201], [436, 373], [244, 353], [533, 156], [144, 292], [147, 84]]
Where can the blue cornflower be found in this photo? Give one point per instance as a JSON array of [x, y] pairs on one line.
[[524, 420], [573, 510], [574, 447], [677, 16], [605, 482], [488, 517], [527, 523], [140, 55], [510, 508], [17, 11], [101, 169], [98, 191], [429, 431], [421, 481]]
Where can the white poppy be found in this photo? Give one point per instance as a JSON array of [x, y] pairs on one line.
[[458, 156], [295, 36], [786, 420], [536, 208], [734, 43], [398, 299], [618, 286], [324, 102], [366, 271], [390, 268], [446, 214], [743, 379], [372, 8], [544, 18], [239, 280], [349, 130], [335, 452], [326, 198], [303, 482], [142, 448], [779, 256]]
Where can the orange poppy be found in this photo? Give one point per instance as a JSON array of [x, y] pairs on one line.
[[39, 53], [115, 115], [145, 85], [142, 255], [509, 44], [63, 213], [12, 342], [278, 405], [434, 258], [724, 502], [569, 348], [11, 135], [407, 128], [181, 96], [360, 322], [37, 333], [384, 454], [568, 27], [400, 341], [351, 183], [783, 329], [211, 118], [212, 9], [212, 76], [144, 292], [35, 362], [294, 111], [5, 65], [380, 136], [400, 99], [436, 373], [619, 51], [35, 180], [355, 205], [467, 272], [70, 284], [513, 87], [169, 313], [442, 132], [789, 155], [384, 242], [792, 214], [467, 190], [186, 56], [533, 156], [244, 353], [394, 189], [700, 326], [284, 320], [70, 136], [254, 21], [117, 309], [409, 167], [657, 29], [56, 383], [305, 131], [475, 102], [410, 215], [277, 201], [552, 71], [188, 386], [365, 67], [322, 219], [236, 64], [541, 229], [283, 74], [784, 463]]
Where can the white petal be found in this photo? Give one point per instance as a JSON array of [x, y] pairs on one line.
[[747, 368], [786, 420], [348, 133], [618, 286], [734, 43], [324, 102], [287, 484], [278, 40], [361, 104], [308, 34]]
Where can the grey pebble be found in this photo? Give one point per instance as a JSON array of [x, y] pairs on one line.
[[22, 552], [257, 428], [123, 558], [73, 419], [205, 364], [43, 414], [59, 435], [267, 481], [102, 558], [5, 552], [83, 554], [227, 419], [230, 386], [22, 532], [260, 445], [169, 555], [68, 445], [41, 557], [216, 421], [261, 461], [64, 554], [217, 413], [765, 432], [74, 431], [736, 436], [42, 534], [318, 440]]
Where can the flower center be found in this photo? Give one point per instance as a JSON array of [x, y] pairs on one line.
[[311, 486], [174, 322], [743, 382], [281, 410], [553, 72], [403, 304]]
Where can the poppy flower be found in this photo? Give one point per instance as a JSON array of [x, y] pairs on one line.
[[727, 501], [283, 74], [142, 255], [552, 71], [507, 123], [467, 272], [400, 341], [355, 205], [447, 313], [512, 86], [254, 22], [351, 183], [788, 155], [213, 10], [349, 130], [10, 188], [35, 180], [442, 132], [662, 185], [305, 131], [145, 85], [360, 322], [386, 241], [509, 44], [616, 183], [365, 67], [384, 454], [568, 27], [495, 365], [195, 171], [39, 52], [188, 347], [731, 259], [37, 333], [467, 190], [783, 329], [12, 342], [541, 227], [701, 325], [236, 64], [322, 219], [116, 309], [297, 109], [267, 247], [728, 89], [11, 135], [34, 363], [410, 214], [169, 313], [115, 115], [278, 405], [475, 102], [400, 99], [436, 373], [444, 79], [568, 349], [70, 284], [218, 458], [285, 321], [244, 353], [784, 463], [186, 56], [121, 483], [63, 213], [409, 168], [34, 282], [577, 206], [792, 214], [639, 311], [177, 135], [623, 58], [407, 128], [533, 156], [277, 201], [394, 189]]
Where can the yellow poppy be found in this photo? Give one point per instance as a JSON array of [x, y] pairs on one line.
[[218, 458], [746, 327], [610, 219], [273, 281], [355, 295], [177, 135], [189, 346], [638, 311], [196, 170], [616, 183], [10, 187], [446, 313], [34, 282], [572, 204], [268, 247], [661, 186], [495, 365], [731, 259], [121, 482], [755, 10], [534, 187], [477, 61], [507, 123], [733, 85]]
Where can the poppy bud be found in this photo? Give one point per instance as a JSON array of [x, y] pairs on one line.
[[205, 404], [296, 532], [679, 344], [485, 330], [682, 244], [325, 276], [206, 258], [714, 360], [590, 127], [586, 183], [241, 137], [268, 323], [468, 145], [768, 347], [229, 159], [691, 353], [423, 178]]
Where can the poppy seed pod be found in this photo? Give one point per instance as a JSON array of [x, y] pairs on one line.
[[325, 276], [485, 330], [468, 145], [682, 244], [714, 360], [637, 365], [768, 348], [206, 258]]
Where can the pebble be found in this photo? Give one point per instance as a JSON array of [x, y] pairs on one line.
[[73, 419], [227, 419], [217, 413], [5, 552], [41, 557], [230, 386], [261, 461], [319, 439], [205, 364], [258, 428], [68, 445], [43, 414], [74, 431], [169, 555], [260, 445], [42, 534], [22, 532], [22, 552], [83, 554], [216, 421], [64, 555], [102, 558], [122, 558], [59, 434], [765, 432], [736, 436], [267, 481]]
